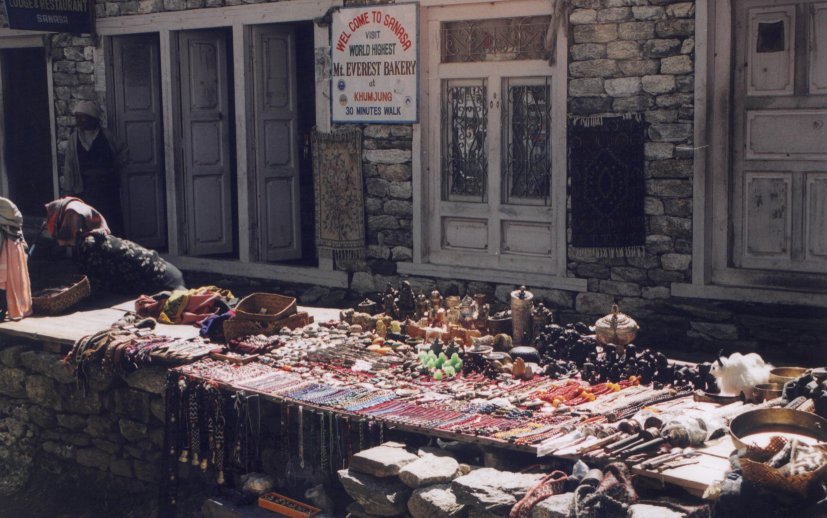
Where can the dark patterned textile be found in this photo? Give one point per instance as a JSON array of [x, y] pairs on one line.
[[120, 265], [340, 207], [606, 166]]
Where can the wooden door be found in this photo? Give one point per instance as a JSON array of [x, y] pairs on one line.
[[779, 204], [138, 123], [275, 143], [206, 119]]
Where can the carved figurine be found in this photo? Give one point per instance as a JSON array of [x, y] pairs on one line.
[[423, 307], [406, 302], [436, 300], [389, 301]]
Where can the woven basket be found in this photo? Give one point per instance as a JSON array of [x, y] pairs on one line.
[[56, 303], [265, 307], [767, 476], [237, 327]]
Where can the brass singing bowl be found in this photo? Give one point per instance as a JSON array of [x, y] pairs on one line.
[[784, 374], [766, 391], [777, 420]]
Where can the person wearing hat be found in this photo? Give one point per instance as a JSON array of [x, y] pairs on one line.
[[92, 168]]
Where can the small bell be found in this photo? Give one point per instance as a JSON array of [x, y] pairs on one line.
[[220, 478], [195, 460], [204, 464], [184, 457]]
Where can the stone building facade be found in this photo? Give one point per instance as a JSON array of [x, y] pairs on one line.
[[623, 56]]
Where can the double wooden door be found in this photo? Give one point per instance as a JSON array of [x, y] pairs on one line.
[[779, 200]]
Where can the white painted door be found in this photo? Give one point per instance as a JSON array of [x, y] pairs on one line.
[[206, 120], [275, 143], [138, 123], [497, 130], [779, 205]]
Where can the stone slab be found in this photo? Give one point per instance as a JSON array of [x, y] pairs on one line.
[[555, 506], [380, 496], [493, 490], [382, 461], [429, 470], [433, 501]]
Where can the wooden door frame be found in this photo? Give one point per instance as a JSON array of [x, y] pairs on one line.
[[712, 183], [227, 132], [112, 113], [15, 39], [254, 59], [427, 148]]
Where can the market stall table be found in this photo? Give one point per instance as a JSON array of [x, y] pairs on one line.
[[710, 467], [62, 330]]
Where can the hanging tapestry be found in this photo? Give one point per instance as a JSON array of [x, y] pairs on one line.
[[340, 205], [606, 167]]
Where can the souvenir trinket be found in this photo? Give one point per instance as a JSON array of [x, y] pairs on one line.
[[521, 305], [500, 322], [541, 316], [368, 306], [406, 301], [528, 354], [616, 329], [423, 307]]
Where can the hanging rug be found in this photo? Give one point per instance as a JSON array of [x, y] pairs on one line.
[[606, 167], [340, 205]]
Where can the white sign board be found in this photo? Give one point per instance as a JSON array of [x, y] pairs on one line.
[[375, 64]]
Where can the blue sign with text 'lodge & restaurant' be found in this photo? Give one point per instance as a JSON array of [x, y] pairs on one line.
[[74, 16]]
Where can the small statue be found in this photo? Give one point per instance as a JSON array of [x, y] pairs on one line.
[[482, 317], [389, 301], [406, 302], [423, 306], [436, 300]]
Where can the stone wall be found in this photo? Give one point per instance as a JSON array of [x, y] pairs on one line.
[[112, 430], [638, 57]]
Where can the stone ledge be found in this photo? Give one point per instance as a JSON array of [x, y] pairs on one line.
[[746, 294], [486, 275]]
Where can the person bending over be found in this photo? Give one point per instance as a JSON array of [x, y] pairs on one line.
[[110, 262]]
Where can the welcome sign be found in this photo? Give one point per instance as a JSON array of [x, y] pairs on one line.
[[375, 65], [74, 16]]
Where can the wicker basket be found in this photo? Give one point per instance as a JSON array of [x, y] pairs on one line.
[[237, 327], [56, 303], [265, 307], [763, 474]]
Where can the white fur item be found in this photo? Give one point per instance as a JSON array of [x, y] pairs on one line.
[[740, 373]]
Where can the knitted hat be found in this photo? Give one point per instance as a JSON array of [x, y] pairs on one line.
[[87, 108]]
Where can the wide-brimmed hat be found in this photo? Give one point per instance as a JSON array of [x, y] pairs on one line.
[[87, 108]]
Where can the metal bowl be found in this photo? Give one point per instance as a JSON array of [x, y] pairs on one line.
[[777, 421], [784, 374], [766, 391]]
